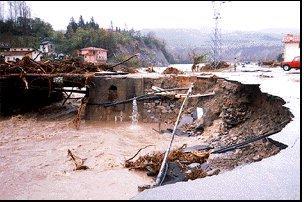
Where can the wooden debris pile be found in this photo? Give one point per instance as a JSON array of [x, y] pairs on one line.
[[172, 70], [28, 65], [219, 65], [152, 162]]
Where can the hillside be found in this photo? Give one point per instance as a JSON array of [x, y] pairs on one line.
[[262, 45], [28, 32]]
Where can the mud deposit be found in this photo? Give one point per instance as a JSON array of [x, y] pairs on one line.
[[34, 146]]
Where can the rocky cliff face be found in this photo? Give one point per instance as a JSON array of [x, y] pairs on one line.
[[149, 55]]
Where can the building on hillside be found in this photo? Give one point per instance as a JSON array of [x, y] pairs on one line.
[[94, 55], [291, 47], [14, 54], [47, 47]]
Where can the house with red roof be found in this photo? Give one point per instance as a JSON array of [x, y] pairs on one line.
[[94, 55]]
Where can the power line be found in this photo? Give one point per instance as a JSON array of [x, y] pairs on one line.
[[216, 37]]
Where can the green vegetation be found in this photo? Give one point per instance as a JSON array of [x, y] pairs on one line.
[[23, 31]]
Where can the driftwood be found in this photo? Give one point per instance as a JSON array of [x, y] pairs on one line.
[[158, 89], [154, 95], [136, 55], [177, 95], [79, 162], [77, 119], [67, 98], [138, 152]]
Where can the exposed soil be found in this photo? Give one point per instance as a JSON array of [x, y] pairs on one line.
[[235, 114]]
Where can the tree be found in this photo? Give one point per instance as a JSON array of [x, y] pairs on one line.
[[81, 23], [92, 24], [72, 27], [198, 58]]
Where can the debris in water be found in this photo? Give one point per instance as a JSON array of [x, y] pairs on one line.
[[79, 162], [152, 162]]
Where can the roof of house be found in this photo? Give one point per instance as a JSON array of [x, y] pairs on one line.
[[45, 42], [289, 38], [15, 53], [92, 49]]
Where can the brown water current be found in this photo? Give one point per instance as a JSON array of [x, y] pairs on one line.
[[35, 164]]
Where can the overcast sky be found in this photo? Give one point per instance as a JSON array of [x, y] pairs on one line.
[[186, 14]]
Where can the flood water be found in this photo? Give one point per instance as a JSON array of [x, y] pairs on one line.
[[35, 165]]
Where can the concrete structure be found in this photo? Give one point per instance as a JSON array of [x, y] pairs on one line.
[[108, 89], [291, 47], [94, 55], [18, 53], [47, 47]]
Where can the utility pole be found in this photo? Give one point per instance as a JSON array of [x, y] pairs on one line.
[[216, 34]]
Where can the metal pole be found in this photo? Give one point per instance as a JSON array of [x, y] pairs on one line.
[[162, 172]]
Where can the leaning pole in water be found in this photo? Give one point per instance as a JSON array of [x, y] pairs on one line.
[[163, 169]]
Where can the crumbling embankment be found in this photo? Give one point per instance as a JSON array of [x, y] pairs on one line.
[[236, 122]]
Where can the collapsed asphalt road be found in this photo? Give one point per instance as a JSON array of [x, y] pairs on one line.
[[276, 177]]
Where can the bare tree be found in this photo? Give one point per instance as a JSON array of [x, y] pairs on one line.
[[1, 10], [10, 10], [18, 9], [24, 10], [197, 59]]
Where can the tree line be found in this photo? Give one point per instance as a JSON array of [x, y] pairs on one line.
[[19, 29]]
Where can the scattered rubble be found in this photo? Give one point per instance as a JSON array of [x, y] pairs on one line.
[[172, 70], [72, 66], [215, 66], [178, 158]]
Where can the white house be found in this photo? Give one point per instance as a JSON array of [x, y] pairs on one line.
[[18, 53], [291, 47], [47, 47]]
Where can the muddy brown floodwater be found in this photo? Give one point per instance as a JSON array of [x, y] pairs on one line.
[[35, 164]]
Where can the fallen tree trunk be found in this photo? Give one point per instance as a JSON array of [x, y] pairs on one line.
[[136, 55]]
